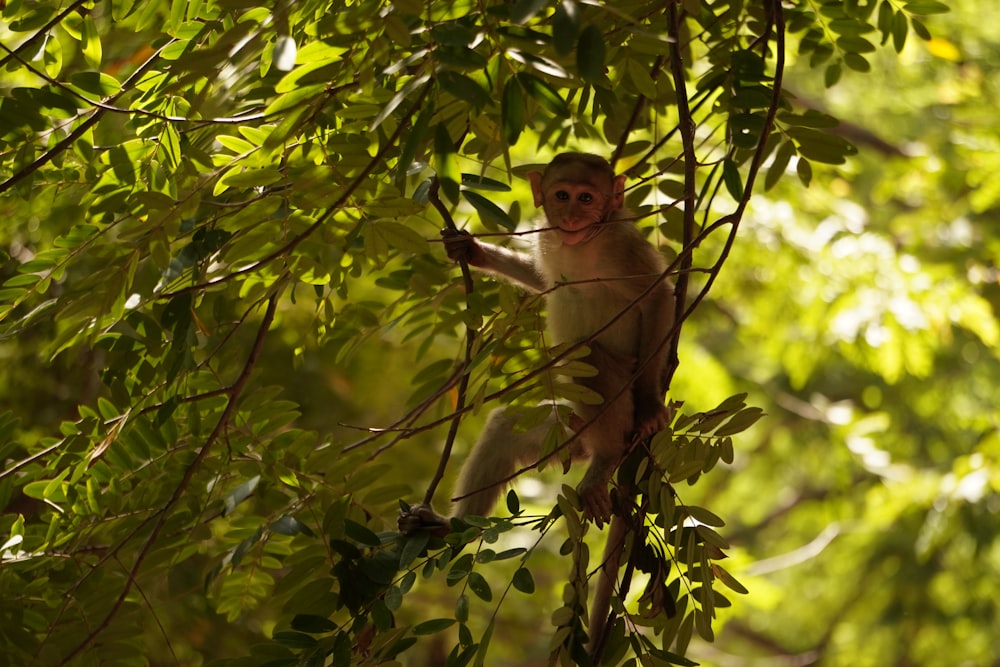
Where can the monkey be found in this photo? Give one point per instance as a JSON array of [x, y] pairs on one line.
[[603, 283]]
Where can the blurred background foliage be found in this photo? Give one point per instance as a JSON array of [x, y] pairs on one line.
[[145, 257]]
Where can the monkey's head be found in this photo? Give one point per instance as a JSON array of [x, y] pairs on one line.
[[577, 191]]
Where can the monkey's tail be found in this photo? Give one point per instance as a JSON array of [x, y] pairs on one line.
[[601, 606]]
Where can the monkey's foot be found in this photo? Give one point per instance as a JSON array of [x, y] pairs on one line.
[[596, 501], [422, 517], [652, 421]]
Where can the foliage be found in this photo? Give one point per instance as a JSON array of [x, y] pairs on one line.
[[219, 233]]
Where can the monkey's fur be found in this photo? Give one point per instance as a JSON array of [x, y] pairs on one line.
[[603, 284]]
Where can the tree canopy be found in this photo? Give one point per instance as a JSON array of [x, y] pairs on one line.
[[233, 346]]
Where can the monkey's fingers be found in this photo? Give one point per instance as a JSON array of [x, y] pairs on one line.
[[653, 423], [596, 503], [422, 517]]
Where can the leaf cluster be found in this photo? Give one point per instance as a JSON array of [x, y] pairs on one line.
[[216, 225]]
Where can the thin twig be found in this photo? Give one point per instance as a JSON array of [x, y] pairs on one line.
[[470, 341]]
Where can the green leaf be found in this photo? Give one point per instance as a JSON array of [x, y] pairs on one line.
[[446, 163], [98, 84], [312, 624], [523, 581], [289, 525], [414, 144], [397, 99], [857, 62], [433, 626], [295, 98], [854, 44], [361, 534], [512, 111], [921, 30], [524, 10], [452, 33], [479, 586], [513, 504], [565, 26], [804, 171], [926, 7], [478, 182], [704, 516], [413, 546], [728, 579], [460, 57], [239, 494], [402, 237], [832, 74], [488, 211], [641, 78], [484, 643], [900, 28], [779, 164], [107, 409], [821, 146], [543, 93], [91, 46], [464, 88], [590, 54], [462, 608], [740, 422], [733, 180]]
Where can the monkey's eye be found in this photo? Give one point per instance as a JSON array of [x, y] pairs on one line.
[[585, 197], [562, 195]]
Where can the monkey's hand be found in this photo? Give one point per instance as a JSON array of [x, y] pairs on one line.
[[422, 517], [595, 499], [651, 416], [461, 247]]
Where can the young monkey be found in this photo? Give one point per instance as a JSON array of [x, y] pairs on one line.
[[594, 267]]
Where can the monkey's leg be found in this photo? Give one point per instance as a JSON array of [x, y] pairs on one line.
[[607, 431], [497, 455]]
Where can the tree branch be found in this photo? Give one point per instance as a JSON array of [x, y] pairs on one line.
[[470, 341], [159, 519]]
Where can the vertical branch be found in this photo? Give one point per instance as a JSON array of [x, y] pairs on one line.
[[776, 24], [686, 127], [470, 340]]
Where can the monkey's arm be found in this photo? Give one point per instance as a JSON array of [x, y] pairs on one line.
[[657, 319], [513, 266]]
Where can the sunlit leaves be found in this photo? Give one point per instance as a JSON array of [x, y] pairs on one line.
[[241, 157]]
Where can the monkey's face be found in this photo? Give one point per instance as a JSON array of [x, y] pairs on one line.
[[575, 210]]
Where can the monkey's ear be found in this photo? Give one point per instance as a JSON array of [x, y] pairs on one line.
[[535, 178], [618, 192]]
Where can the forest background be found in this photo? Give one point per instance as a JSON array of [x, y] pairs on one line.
[[231, 343]]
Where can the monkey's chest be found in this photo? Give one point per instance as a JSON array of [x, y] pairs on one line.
[[593, 310]]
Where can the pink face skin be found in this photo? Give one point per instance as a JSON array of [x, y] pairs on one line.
[[575, 211], [576, 207]]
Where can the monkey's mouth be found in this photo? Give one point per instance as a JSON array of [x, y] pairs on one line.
[[577, 236]]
